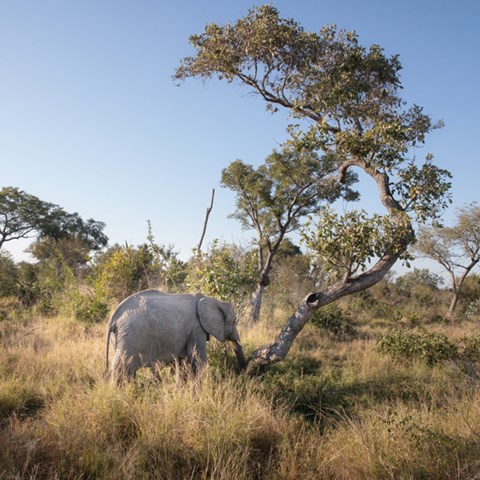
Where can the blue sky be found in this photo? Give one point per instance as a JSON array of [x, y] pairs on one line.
[[90, 118]]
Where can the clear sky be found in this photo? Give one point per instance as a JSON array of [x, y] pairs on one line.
[[91, 119]]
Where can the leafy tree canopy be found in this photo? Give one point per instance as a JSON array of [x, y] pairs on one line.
[[23, 215], [348, 92]]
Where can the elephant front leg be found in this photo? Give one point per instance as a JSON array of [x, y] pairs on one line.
[[197, 356]]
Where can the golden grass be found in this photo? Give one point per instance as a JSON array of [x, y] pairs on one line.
[[332, 410]]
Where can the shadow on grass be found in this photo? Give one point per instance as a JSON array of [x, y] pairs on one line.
[[324, 396]]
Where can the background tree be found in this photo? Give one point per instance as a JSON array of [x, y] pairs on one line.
[[456, 249], [20, 213], [8, 275], [23, 215], [273, 199], [348, 99]]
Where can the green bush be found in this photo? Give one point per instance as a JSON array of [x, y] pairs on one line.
[[426, 346], [471, 348], [9, 308], [90, 309], [225, 271], [8, 275], [473, 309], [335, 321], [122, 271]]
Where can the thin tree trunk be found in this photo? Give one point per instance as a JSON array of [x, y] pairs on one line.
[[209, 209], [453, 305], [257, 297], [457, 286], [256, 303]]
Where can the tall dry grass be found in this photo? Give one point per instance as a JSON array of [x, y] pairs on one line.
[[332, 410]]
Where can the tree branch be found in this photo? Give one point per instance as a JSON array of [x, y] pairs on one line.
[[209, 209]]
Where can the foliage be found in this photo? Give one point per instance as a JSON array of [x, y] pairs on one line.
[[73, 251], [57, 287], [351, 116], [470, 292], [348, 92], [473, 309], [291, 277], [225, 271], [122, 271], [19, 214], [8, 275], [28, 288], [10, 308], [417, 276], [456, 249], [90, 309], [170, 270], [275, 197], [344, 245], [335, 321], [429, 347], [22, 215]]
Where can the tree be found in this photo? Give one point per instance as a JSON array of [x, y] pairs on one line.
[[347, 99], [274, 198], [20, 214], [456, 248], [23, 215]]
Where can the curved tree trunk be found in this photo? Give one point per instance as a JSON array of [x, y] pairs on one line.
[[279, 349]]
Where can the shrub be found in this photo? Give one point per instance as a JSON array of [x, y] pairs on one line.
[[335, 321], [225, 271], [426, 346], [90, 309], [9, 308], [122, 271], [473, 309], [8, 275]]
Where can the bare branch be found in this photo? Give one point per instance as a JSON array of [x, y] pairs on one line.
[[209, 209]]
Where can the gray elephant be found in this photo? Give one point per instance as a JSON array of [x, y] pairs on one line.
[[152, 328]]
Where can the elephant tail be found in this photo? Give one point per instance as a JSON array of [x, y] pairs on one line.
[[110, 329]]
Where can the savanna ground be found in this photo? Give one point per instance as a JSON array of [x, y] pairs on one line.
[[353, 400]]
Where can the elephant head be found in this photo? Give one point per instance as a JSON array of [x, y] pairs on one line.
[[217, 318]]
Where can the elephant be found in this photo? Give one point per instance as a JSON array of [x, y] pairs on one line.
[[152, 328]]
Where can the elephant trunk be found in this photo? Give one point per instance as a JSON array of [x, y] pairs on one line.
[[237, 348]]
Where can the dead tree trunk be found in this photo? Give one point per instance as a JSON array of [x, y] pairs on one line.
[[209, 209]]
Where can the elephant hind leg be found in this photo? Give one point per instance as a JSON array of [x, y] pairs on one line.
[[124, 368]]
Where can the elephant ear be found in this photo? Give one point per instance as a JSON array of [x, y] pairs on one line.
[[211, 315]]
